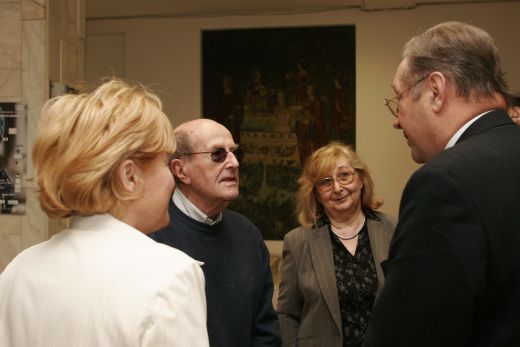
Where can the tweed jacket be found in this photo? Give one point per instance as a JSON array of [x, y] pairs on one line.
[[308, 304]]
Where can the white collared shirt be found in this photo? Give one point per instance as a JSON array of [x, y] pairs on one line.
[[192, 211], [462, 129]]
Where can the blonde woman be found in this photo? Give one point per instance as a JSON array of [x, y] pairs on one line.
[[102, 158], [331, 264]]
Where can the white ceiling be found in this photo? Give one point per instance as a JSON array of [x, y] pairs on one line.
[[110, 9]]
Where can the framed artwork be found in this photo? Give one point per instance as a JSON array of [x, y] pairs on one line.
[[13, 157], [282, 93]]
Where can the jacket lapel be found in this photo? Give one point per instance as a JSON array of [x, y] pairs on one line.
[[379, 242], [321, 255]]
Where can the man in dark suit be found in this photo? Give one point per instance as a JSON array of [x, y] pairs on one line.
[[453, 271]]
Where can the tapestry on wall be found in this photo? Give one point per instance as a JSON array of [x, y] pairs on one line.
[[282, 93], [13, 157]]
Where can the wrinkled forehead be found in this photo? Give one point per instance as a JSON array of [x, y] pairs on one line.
[[212, 135]]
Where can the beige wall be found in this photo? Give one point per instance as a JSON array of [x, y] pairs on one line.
[[166, 53], [26, 28], [22, 79]]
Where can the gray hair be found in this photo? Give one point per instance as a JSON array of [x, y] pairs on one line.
[[467, 55]]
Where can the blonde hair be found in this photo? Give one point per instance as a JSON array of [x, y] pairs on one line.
[[319, 165], [84, 138]]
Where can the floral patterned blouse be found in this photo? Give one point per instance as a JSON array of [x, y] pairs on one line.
[[357, 284]]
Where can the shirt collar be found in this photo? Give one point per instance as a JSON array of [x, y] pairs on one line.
[[188, 208], [461, 131]]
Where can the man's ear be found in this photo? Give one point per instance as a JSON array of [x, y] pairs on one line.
[[129, 175], [179, 170], [438, 84]]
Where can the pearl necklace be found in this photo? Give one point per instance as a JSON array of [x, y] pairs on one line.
[[351, 237]]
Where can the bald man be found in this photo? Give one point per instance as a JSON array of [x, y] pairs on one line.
[[239, 285]]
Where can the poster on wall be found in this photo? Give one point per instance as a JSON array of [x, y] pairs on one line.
[[13, 157], [282, 93]]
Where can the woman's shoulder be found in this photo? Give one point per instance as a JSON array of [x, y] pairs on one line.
[[381, 216], [301, 233], [387, 221], [167, 254]]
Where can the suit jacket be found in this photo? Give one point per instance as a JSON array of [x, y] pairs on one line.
[[308, 304], [453, 272], [102, 283]]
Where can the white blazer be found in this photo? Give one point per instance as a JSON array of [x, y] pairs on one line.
[[102, 283]]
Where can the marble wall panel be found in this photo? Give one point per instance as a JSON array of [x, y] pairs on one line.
[[10, 83], [81, 19], [35, 93], [33, 68], [69, 63], [69, 20], [10, 36], [32, 10]]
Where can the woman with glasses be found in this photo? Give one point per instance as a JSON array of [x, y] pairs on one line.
[[331, 268]]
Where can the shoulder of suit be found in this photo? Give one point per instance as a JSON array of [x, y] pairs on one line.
[[384, 217], [388, 221], [301, 233]]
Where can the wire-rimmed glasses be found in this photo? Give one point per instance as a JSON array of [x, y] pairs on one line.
[[343, 177], [393, 103]]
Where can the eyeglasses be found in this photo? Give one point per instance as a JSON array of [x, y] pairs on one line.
[[393, 103], [219, 155], [343, 178]]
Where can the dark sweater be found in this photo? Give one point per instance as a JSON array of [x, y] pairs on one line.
[[239, 285]]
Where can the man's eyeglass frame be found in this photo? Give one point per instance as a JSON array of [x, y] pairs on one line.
[[393, 103]]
